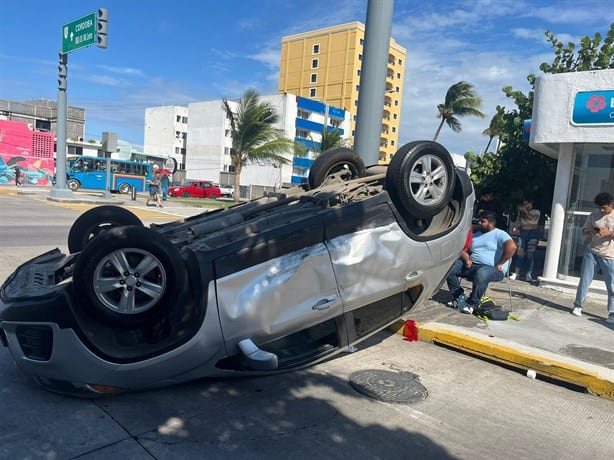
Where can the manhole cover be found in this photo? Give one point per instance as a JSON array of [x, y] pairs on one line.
[[388, 386]]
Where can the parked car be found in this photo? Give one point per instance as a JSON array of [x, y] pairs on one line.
[[196, 189], [261, 287], [228, 191]]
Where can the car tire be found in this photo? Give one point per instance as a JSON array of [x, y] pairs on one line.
[[124, 188], [340, 160], [185, 195], [96, 220], [73, 185], [129, 277], [421, 178]]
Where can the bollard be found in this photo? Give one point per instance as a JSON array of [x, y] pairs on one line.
[[133, 192]]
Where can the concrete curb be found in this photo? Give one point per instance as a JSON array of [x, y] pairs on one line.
[[597, 380]]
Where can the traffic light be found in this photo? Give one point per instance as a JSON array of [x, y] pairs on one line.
[[62, 71], [102, 28]]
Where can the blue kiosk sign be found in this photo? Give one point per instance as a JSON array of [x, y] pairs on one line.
[[593, 108]]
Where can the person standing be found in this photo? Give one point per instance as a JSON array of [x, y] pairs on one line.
[[18, 181], [528, 221], [487, 260], [599, 253], [164, 183], [489, 202], [154, 190]]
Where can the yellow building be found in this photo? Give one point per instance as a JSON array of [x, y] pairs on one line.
[[325, 65]]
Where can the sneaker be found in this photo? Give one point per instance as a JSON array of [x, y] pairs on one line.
[[610, 319], [468, 308], [577, 311], [452, 304], [529, 278], [513, 276]]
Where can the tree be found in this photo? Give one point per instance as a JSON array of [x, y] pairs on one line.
[[495, 129], [531, 173], [461, 101], [253, 134]]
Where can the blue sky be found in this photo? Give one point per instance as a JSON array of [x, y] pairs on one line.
[[174, 53]]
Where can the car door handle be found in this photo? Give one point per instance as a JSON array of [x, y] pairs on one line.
[[413, 275], [322, 304]]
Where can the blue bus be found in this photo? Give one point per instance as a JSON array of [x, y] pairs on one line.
[[90, 173]]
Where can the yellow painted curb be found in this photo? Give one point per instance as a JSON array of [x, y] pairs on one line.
[[522, 357]]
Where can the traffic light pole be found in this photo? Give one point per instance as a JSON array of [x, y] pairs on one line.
[[60, 190]]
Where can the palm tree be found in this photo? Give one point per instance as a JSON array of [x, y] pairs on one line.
[[253, 135], [331, 138], [495, 129], [461, 101]]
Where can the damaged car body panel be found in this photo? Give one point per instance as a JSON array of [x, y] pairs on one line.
[[277, 283]]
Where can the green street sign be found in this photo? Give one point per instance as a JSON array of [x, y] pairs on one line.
[[79, 33]]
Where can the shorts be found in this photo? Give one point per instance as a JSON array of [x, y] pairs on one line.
[[153, 192]]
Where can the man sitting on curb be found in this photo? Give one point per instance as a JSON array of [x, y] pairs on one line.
[[487, 260]]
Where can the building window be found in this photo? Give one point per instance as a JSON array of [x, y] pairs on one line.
[[394, 129], [178, 118], [314, 63], [397, 89], [357, 87], [398, 75], [400, 61], [391, 143], [394, 115], [313, 92], [314, 78], [316, 49], [358, 72], [362, 41], [396, 102], [184, 119], [355, 102], [300, 113], [360, 57], [353, 133]]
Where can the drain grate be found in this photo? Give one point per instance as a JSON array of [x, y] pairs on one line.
[[389, 386]]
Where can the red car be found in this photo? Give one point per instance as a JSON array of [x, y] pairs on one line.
[[196, 189]]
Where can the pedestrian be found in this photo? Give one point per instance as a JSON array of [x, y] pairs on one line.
[[489, 202], [487, 260], [154, 190], [17, 176], [528, 221], [164, 183], [599, 253]]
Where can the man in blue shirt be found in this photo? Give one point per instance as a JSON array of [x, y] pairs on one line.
[[487, 260]]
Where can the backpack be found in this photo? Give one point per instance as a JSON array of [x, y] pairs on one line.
[[488, 308]]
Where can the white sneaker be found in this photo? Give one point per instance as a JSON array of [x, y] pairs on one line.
[[467, 309], [513, 276], [577, 311]]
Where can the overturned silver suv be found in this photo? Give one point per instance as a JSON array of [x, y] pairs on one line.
[[274, 284]]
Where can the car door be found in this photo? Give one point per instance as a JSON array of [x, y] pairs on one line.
[[291, 294]]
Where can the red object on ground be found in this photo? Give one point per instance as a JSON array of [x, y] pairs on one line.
[[410, 331]]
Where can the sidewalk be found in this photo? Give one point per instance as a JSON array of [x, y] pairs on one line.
[[546, 338]]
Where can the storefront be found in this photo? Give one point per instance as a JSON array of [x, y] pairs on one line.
[[573, 121]]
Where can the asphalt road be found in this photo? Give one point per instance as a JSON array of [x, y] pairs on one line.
[[474, 409]]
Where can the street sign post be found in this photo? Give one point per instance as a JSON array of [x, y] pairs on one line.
[[79, 33]]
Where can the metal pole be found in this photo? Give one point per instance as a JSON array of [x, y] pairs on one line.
[[60, 190], [373, 80]]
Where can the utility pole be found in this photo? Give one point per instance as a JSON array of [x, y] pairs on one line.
[[60, 190], [373, 80]]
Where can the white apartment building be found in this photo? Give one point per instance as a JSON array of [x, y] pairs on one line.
[[208, 141], [166, 130]]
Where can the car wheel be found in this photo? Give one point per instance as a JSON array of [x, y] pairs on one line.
[[214, 196], [73, 185], [129, 276], [185, 194], [339, 161], [96, 220], [124, 188], [420, 178]]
